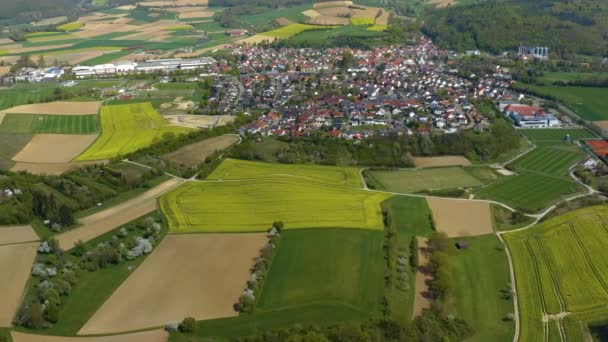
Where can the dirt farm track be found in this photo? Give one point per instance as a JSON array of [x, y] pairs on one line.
[[200, 275]]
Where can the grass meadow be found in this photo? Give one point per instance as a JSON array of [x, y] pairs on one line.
[[529, 192], [549, 160], [253, 205], [588, 102], [480, 275], [233, 169], [550, 281], [416, 180], [557, 134], [329, 266], [49, 124], [126, 129]]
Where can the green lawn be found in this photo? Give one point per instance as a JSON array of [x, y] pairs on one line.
[[557, 134], [560, 266], [549, 160], [480, 273], [549, 77], [329, 266], [529, 192], [409, 181], [49, 124], [588, 102]]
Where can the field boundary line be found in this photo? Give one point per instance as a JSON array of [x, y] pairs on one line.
[[580, 244]]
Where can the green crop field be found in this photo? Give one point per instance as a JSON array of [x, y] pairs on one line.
[[24, 94], [233, 169], [292, 30], [128, 128], [50, 124], [557, 134], [588, 102], [560, 267], [550, 77], [252, 205], [529, 192], [329, 266], [480, 274], [549, 160], [407, 181]]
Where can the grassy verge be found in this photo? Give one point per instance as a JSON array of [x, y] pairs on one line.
[[504, 219]]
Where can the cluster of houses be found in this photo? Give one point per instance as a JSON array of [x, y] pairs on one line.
[[389, 90]]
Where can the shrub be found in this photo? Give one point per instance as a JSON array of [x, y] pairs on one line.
[[188, 325]]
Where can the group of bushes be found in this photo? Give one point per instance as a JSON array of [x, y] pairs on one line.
[[56, 272], [260, 269]]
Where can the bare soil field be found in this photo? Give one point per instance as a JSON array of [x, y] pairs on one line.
[[284, 21], [4, 70], [368, 12], [461, 217], [17, 234], [197, 14], [54, 148], [441, 161], [173, 3], [58, 108], [183, 9], [327, 20], [255, 39], [127, 7], [422, 299], [15, 266], [53, 169], [384, 17], [144, 336], [6, 41], [344, 12], [311, 13], [39, 48], [200, 275], [199, 121], [194, 154], [332, 4], [111, 218]]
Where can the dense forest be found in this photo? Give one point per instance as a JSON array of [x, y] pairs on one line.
[[565, 26], [26, 11]]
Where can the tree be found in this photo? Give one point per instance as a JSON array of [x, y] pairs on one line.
[[41, 63], [347, 60], [188, 325], [34, 316]]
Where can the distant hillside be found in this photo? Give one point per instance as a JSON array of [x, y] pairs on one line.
[[30, 10], [577, 26]]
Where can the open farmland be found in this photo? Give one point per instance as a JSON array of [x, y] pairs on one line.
[[204, 276], [158, 335], [408, 181], [52, 124], [588, 102], [480, 274], [461, 217], [194, 154], [233, 169], [17, 234], [54, 148], [530, 192], [292, 30], [252, 205], [15, 264], [560, 269], [549, 160], [557, 134], [126, 129], [326, 268]]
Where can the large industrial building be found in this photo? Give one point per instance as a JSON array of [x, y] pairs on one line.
[[147, 66]]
